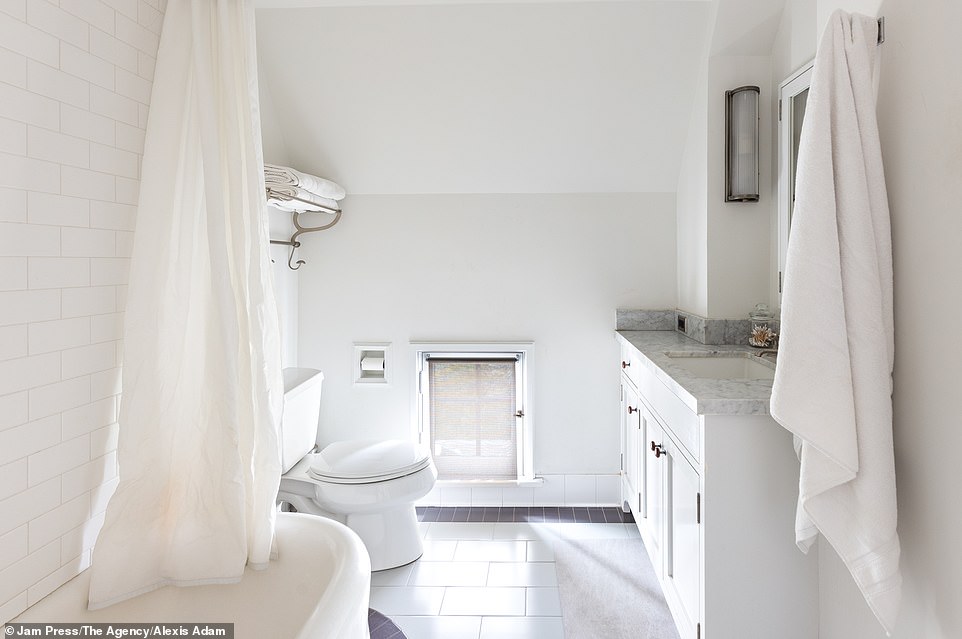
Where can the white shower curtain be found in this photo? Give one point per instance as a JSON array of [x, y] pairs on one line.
[[198, 451]]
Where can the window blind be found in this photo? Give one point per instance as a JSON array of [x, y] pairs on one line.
[[473, 417]]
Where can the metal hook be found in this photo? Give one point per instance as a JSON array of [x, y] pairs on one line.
[[290, 259]]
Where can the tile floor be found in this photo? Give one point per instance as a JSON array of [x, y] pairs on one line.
[[485, 579]]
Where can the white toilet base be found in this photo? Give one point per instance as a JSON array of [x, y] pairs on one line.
[[392, 537]]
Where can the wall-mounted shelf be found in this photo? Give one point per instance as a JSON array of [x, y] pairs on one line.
[[300, 229]]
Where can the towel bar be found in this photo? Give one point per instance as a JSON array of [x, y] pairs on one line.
[[294, 243]]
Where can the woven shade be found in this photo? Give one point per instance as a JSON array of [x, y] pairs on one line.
[[473, 406]]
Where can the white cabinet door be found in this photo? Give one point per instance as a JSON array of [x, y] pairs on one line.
[[632, 438], [682, 554], [655, 462]]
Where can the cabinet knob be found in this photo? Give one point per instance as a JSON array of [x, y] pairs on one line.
[[658, 449], [625, 364], [632, 409]]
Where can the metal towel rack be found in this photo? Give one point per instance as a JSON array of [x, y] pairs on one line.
[[300, 229]]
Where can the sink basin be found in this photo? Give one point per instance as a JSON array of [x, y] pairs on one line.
[[735, 365]]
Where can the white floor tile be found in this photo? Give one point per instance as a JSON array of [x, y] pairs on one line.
[[633, 530], [490, 551], [483, 601], [439, 627], [584, 531], [522, 628], [439, 549], [449, 573], [522, 574], [457, 530], [393, 577], [516, 530], [393, 600], [542, 602], [540, 551]]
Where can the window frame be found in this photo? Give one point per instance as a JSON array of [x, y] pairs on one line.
[[524, 352]]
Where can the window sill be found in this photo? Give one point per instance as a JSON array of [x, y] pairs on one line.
[[524, 482]]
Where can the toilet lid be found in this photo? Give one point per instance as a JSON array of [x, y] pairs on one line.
[[368, 461]]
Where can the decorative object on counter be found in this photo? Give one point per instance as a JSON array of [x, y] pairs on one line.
[[762, 336]]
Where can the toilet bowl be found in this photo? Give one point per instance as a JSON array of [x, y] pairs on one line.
[[369, 485]]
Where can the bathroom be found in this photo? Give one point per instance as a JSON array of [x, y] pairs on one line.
[[577, 144]]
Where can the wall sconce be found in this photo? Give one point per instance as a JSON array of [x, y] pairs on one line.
[[741, 144]]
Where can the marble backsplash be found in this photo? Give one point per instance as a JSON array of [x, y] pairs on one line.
[[701, 329]]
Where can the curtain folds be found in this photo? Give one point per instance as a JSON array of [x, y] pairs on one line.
[[202, 391]]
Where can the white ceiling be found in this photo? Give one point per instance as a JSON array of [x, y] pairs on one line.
[[484, 98]]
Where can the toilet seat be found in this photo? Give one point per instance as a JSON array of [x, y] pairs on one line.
[[368, 461]]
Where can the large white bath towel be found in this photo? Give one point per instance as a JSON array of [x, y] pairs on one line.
[[833, 384], [284, 175]]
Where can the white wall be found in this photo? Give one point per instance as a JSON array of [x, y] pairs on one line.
[[739, 233], [692, 207], [918, 108], [724, 248], [503, 97], [281, 228], [546, 268], [74, 87], [429, 115]]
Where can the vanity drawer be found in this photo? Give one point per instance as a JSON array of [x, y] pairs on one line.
[[631, 364]]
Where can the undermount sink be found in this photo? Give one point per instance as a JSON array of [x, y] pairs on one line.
[[715, 365]]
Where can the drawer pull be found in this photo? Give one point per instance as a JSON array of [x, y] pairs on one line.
[[658, 449], [632, 409], [625, 364]]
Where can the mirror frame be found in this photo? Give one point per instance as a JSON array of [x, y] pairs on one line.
[[795, 84]]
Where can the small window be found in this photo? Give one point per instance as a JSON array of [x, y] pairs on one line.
[[471, 413]]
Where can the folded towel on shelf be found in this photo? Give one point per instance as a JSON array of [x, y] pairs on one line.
[[286, 176], [282, 197]]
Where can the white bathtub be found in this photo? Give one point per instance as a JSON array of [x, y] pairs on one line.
[[318, 588]]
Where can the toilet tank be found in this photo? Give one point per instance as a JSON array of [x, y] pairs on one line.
[[302, 404]]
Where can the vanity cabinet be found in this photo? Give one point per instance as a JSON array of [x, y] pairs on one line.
[[714, 497], [632, 446]]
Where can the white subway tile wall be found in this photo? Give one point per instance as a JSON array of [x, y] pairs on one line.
[[75, 81], [554, 490]]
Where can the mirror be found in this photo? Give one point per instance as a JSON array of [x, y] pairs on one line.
[[792, 101]]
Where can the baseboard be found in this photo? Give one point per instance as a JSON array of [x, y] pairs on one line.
[[553, 490]]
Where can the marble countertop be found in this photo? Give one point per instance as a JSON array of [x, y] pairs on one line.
[[705, 396]]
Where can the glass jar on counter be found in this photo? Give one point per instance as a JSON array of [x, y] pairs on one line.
[[761, 336]]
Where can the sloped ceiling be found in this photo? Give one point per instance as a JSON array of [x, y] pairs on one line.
[[484, 98]]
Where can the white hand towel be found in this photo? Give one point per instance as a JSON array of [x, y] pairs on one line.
[[833, 384], [284, 175]]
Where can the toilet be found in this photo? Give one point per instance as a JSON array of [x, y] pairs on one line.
[[369, 485]]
